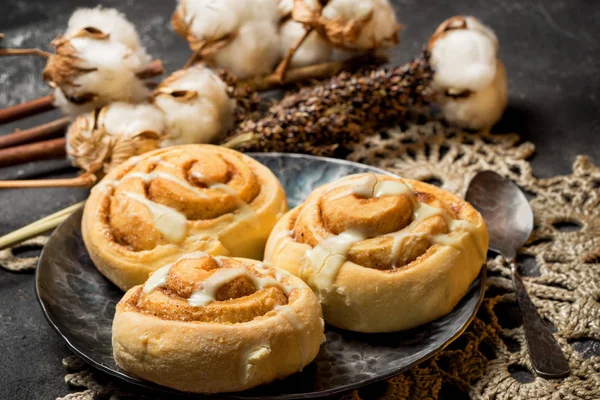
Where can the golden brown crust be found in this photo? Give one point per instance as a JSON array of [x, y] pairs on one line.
[[168, 202], [414, 252], [249, 334]]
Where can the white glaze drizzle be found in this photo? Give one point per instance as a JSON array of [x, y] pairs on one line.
[[149, 177], [369, 186], [159, 277], [169, 222], [325, 259], [211, 285]]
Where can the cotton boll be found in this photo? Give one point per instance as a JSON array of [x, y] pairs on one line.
[[108, 20], [128, 119], [196, 106], [209, 19], [238, 35], [101, 140], [373, 22], [260, 10], [464, 59], [463, 54], [285, 7], [481, 109], [313, 50], [98, 60], [253, 51]]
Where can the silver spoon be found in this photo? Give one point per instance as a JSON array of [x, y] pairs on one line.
[[509, 219]]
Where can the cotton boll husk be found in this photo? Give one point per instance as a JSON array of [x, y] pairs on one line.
[[481, 109], [253, 51], [196, 106], [313, 50], [380, 30]]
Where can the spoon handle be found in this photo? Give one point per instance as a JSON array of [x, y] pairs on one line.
[[546, 356]]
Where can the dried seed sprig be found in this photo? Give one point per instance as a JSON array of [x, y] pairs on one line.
[[324, 119]]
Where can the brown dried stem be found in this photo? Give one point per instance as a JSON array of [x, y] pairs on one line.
[[25, 52], [84, 180], [311, 72], [47, 149], [36, 133], [23, 110], [283, 65]]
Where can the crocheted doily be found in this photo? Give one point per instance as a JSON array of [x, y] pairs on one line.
[[560, 265]]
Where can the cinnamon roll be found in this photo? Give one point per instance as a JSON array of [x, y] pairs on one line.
[[213, 324], [381, 253], [168, 202]]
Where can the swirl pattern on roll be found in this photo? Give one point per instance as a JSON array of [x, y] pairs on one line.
[[212, 324], [368, 237], [172, 201]]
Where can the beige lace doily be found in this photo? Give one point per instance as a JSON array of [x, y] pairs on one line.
[[561, 265]]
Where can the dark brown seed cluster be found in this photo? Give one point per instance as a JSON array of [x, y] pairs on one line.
[[247, 99], [326, 118]]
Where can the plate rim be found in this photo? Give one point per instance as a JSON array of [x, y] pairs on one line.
[[146, 385]]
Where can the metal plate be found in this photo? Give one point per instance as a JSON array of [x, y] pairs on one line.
[[80, 303]]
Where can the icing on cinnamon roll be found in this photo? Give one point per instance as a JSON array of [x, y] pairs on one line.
[[382, 253]]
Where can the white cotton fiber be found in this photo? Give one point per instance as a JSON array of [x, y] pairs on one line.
[[203, 114], [464, 59], [126, 119], [250, 25], [379, 31], [113, 61], [314, 49], [254, 51]]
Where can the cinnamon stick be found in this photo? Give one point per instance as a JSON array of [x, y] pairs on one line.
[[47, 149], [23, 110], [84, 180], [36, 133]]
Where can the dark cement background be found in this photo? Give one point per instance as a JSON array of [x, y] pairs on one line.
[[550, 49]]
